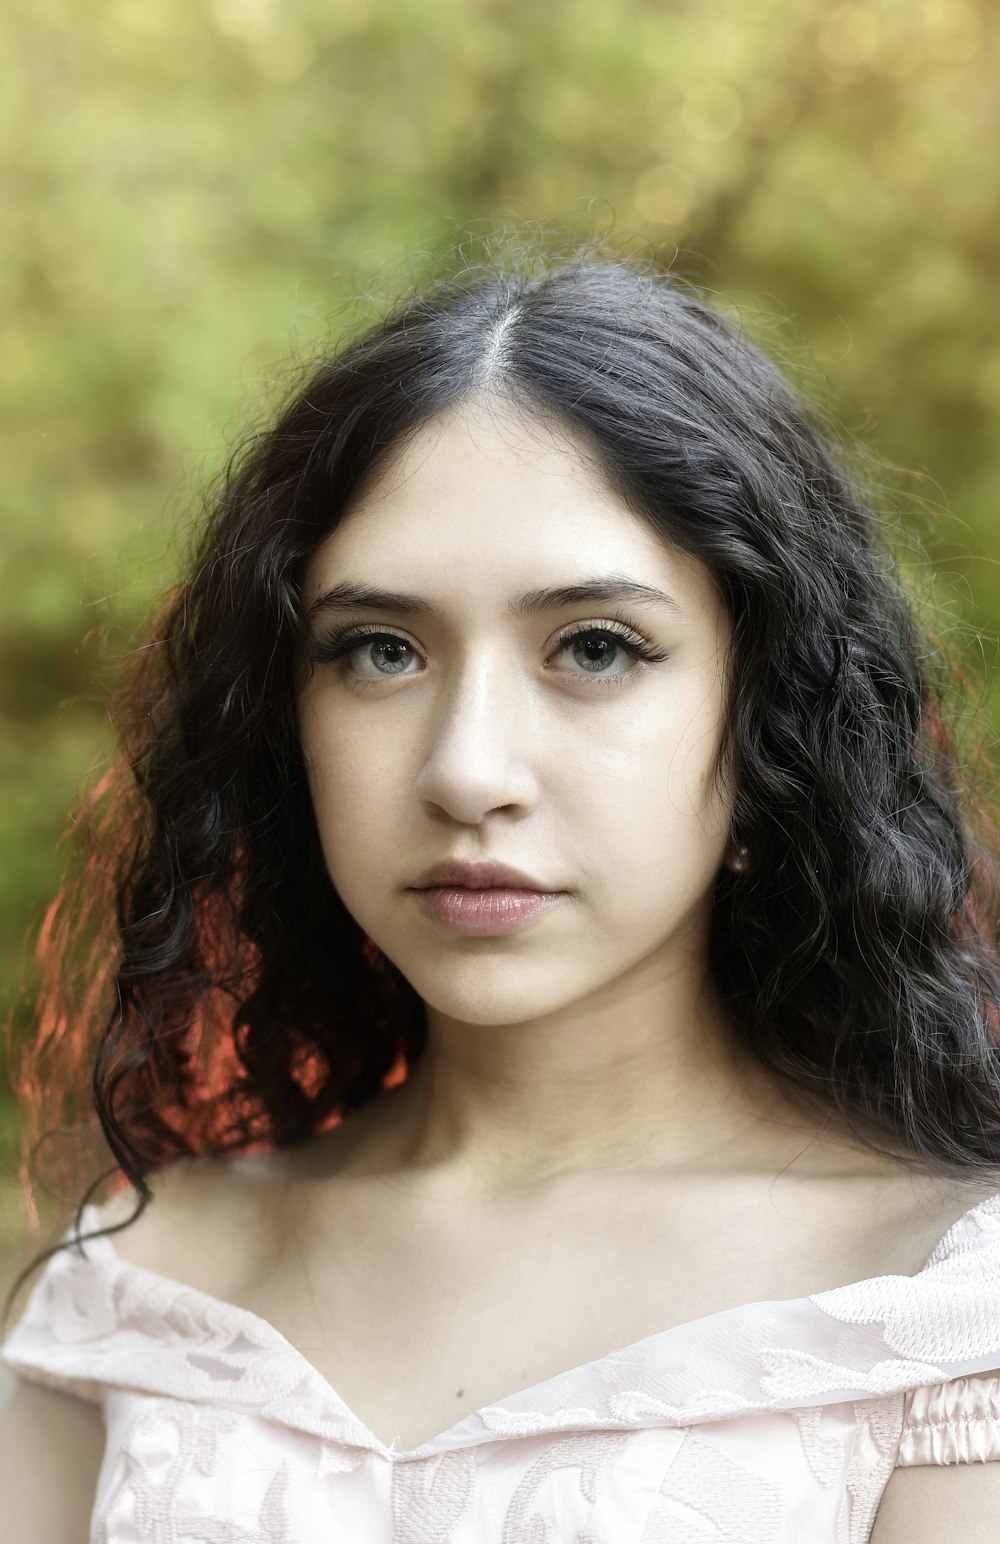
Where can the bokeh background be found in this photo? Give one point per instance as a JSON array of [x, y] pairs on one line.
[[197, 193]]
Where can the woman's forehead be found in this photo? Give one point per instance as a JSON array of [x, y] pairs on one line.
[[507, 507]]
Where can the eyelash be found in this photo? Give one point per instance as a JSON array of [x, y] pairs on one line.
[[340, 642]]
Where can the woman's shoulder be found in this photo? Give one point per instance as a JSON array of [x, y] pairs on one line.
[[213, 1221], [208, 1220]]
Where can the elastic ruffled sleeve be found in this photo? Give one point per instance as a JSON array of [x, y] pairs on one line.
[[952, 1423]]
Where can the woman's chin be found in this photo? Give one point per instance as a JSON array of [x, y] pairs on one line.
[[467, 998]]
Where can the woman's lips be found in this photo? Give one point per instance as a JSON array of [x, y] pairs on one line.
[[484, 912]]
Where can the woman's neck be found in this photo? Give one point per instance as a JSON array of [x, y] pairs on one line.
[[497, 1110]]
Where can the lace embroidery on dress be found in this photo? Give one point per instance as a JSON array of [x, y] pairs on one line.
[[707, 1497], [872, 1461], [824, 1455], [164, 1446], [588, 1453], [429, 1500]]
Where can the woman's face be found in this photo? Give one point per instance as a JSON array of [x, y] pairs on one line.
[[471, 725]]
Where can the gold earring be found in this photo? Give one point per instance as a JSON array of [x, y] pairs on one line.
[[740, 861]]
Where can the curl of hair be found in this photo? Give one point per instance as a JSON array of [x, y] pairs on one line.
[[225, 998]]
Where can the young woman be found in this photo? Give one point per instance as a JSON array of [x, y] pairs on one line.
[[553, 1002]]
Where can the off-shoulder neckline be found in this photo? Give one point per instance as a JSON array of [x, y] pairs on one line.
[[513, 1409]]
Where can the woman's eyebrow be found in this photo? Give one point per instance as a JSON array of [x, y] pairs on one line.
[[349, 595]]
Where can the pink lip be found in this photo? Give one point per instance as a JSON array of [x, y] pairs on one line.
[[484, 912], [478, 876]]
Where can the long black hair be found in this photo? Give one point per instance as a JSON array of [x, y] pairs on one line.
[[241, 1005]]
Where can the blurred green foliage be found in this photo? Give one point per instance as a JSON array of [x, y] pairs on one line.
[[196, 192]]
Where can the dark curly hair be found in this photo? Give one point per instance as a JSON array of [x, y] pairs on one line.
[[229, 1001]]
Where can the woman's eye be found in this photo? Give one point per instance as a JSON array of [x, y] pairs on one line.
[[387, 653], [596, 650]]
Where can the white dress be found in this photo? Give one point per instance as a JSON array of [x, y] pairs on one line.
[[773, 1423]]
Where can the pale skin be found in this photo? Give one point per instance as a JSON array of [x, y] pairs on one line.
[[584, 1119]]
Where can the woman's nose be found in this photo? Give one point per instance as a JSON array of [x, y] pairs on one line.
[[482, 743]]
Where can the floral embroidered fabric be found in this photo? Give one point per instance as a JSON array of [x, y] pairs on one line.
[[765, 1424]]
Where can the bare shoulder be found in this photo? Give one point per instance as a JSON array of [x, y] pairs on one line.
[[51, 1447], [939, 1504], [942, 1204], [208, 1222], [915, 1214], [213, 1220]]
